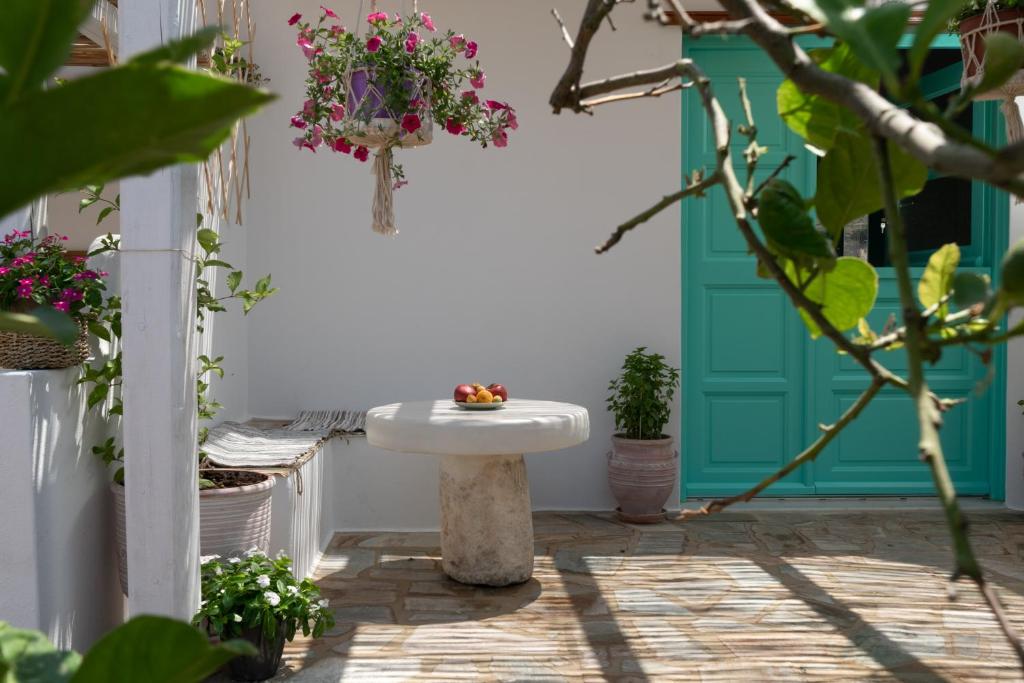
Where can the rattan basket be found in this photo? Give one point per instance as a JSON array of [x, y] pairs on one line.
[[28, 352]]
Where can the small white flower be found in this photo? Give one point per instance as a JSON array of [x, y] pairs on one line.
[[263, 580], [203, 603], [254, 552], [218, 571], [292, 590], [208, 558], [324, 602], [280, 553], [273, 598], [314, 608], [234, 560], [238, 618]]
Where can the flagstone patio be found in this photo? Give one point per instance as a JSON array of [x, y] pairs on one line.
[[738, 596]]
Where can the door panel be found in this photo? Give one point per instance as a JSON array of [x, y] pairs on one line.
[[755, 386]]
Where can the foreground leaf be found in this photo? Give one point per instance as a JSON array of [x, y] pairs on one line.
[[42, 322], [786, 222], [26, 656], [970, 289], [848, 183], [936, 17], [129, 120], [1004, 56], [846, 294], [156, 650], [937, 280]]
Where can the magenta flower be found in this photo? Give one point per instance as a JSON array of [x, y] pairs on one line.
[[25, 287], [427, 22], [328, 12], [298, 121], [361, 153], [411, 123], [373, 44], [471, 96], [470, 50], [4, 270], [328, 91], [317, 138], [454, 127], [302, 143], [411, 40], [342, 145], [337, 112], [71, 294], [500, 139], [62, 306], [294, 19], [458, 42], [337, 29], [86, 275], [399, 184], [307, 47], [309, 109], [377, 18], [477, 80]]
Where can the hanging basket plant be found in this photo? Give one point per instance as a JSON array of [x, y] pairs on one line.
[[977, 23], [384, 88]]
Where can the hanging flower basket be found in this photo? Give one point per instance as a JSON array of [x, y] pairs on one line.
[[973, 29], [384, 88], [28, 352]]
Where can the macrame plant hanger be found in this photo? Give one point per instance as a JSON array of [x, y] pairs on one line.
[[974, 68], [383, 133]]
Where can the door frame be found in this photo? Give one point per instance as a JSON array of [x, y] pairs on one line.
[[994, 203]]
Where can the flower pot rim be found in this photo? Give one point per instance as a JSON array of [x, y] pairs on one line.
[[660, 440], [267, 483], [975, 19]]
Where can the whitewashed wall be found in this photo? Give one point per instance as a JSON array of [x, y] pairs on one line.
[[493, 276]]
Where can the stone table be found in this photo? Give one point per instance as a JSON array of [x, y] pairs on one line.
[[486, 522]]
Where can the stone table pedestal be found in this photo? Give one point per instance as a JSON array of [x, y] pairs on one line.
[[486, 522]]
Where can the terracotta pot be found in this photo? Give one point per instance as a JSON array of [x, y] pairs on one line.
[[231, 520], [1007, 24], [642, 475], [265, 664]]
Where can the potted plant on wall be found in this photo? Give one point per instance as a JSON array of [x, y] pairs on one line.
[[40, 274], [257, 599], [386, 88], [990, 33], [642, 464]]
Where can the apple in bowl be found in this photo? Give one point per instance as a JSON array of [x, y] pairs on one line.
[[462, 391], [498, 390]]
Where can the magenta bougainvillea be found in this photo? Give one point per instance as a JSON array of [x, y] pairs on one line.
[[37, 273]]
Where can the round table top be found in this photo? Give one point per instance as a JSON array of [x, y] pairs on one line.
[[442, 428]]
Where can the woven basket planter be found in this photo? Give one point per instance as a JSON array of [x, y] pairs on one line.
[[366, 99], [973, 30], [28, 352], [231, 521]]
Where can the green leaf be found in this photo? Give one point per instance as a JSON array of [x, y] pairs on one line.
[[99, 330], [180, 50], [208, 239], [26, 656], [936, 17], [42, 322], [970, 289], [937, 280], [872, 33], [784, 218], [846, 293], [848, 182], [98, 394], [1004, 56], [103, 214], [35, 39], [61, 138], [815, 118], [156, 650]]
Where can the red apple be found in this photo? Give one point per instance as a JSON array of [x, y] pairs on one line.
[[462, 391], [499, 390]]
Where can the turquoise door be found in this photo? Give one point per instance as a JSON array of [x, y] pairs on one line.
[[756, 386]]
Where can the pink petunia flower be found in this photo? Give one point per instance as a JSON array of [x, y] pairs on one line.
[[62, 306], [361, 153], [302, 143], [342, 145], [309, 109], [337, 112], [377, 18], [411, 41], [4, 270], [328, 12], [471, 96], [337, 29], [411, 123], [317, 138], [307, 47], [373, 44], [328, 91], [500, 139], [298, 121], [427, 22], [477, 80], [470, 50], [399, 184], [458, 42], [454, 127], [294, 19]]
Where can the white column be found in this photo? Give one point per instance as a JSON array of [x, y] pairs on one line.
[[157, 234], [1015, 387]]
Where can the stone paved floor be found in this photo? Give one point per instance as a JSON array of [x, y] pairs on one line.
[[738, 596]]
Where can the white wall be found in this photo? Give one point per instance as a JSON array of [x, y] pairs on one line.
[[1015, 386], [57, 567], [493, 277]]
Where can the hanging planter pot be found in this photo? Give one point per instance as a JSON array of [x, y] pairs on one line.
[[383, 88], [973, 31]]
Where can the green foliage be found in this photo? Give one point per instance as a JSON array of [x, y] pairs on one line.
[[937, 281], [936, 18], [641, 397], [846, 293], [848, 183], [1011, 281], [146, 648], [784, 218], [257, 591], [1004, 56], [970, 289], [42, 322]]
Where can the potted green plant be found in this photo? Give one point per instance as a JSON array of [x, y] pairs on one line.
[[40, 274], [256, 598], [642, 464]]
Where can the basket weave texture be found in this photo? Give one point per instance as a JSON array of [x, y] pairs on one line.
[[28, 352]]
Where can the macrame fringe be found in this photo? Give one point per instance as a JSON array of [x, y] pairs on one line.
[[383, 200]]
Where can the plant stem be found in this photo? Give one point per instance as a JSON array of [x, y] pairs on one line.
[[928, 417]]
